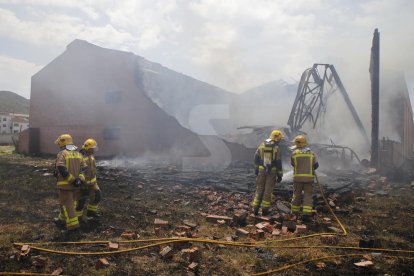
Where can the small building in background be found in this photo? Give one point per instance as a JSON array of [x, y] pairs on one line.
[[11, 125]]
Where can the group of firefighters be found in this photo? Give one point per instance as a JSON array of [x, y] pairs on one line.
[[76, 178], [269, 171], [75, 172]]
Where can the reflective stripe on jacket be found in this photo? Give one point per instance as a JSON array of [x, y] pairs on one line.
[[267, 154], [90, 174], [303, 161], [73, 162]]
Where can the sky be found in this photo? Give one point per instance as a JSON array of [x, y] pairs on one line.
[[233, 44]]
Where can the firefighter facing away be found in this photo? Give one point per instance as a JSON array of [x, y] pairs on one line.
[[304, 165], [268, 171], [69, 173], [91, 190]]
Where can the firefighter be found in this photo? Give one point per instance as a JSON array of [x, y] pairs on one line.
[[92, 190], [304, 165], [268, 171], [69, 173]]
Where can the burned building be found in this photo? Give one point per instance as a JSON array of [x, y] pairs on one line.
[[396, 122], [89, 91]]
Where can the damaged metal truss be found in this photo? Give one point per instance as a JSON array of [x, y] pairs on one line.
[[315, 87]]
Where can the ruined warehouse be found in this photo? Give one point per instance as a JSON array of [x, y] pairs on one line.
[[89, 91]]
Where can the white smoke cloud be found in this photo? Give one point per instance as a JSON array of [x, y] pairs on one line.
[[235, 45]]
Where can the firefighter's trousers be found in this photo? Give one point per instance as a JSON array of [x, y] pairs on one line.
[[93, 193], [302, 191], [67, 200], [264, 188]]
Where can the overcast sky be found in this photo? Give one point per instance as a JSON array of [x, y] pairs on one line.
[[234, 44]]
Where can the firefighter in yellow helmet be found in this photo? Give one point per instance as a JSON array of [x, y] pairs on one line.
[[268, 171], [69, 169], [304, 165], [92, 189]]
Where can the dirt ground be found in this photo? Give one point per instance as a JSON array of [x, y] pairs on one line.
[[380, 214]]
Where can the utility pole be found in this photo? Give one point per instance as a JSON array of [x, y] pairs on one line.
[[374, 75]]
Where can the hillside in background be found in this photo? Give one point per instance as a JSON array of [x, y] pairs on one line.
[[13, 103]]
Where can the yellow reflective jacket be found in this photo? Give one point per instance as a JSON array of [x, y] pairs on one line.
[[267, 156], [304, 165], [74, 164], [90, 174]]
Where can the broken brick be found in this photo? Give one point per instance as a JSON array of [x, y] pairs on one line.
[[214, 218], [242, 232], [181, 234], [184, 228], [260, 226], [329, 239], [24, 251], [113, 246], [161, 223], [284, 230], [320, 265], [221, 222], [264, 218], [276, 232], [166, 252], [57, 271], [301, 228], [326, 221], [364, 264], [334, 229], [268, 228], [101, 263], [190, 224], [193, 267], [192, 254], [258, 234], [128, 235]]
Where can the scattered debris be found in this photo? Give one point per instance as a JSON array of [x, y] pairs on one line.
[[24, 251], [57, 271], [101, 263], [113, 246], [167, 252], [364, 264]]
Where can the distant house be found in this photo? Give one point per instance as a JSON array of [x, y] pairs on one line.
[[89, 91], [11, 123]]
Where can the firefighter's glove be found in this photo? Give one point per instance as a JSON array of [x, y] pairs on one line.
[[256, 171], [279, 179], [77, 182]]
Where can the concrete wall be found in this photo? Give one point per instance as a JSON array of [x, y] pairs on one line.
[[7, 139]]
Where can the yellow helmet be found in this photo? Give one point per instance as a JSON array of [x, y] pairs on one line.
[[63, 140], [276, 135], [90, 144], [300, 141]]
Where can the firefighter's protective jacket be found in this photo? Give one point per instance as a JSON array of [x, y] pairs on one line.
[[267, 157], [90, 173], [304, 165], [74, 166]]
